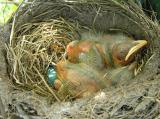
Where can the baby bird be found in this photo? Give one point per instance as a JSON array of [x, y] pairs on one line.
[[97, 61], [105, 50], [120, 74], [79, 80], [85, 51], [120, 49]]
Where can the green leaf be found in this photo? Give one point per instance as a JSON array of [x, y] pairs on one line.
[[6, 10]]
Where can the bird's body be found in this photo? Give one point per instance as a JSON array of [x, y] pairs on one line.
[[120, 74], [79, 79], [85, 51], [110, 50], [97, 61]]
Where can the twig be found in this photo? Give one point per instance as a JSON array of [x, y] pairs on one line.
[[13, 2], [12, 30], [47, 84], [2, 109], [152, 98]]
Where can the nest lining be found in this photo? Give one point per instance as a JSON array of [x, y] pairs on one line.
[[36, 46]]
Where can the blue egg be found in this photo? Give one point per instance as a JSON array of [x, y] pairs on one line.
[[52, 75]]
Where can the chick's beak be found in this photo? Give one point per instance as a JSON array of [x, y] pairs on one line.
[[138, 45]]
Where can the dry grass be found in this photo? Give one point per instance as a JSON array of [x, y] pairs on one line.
[[34, 47]]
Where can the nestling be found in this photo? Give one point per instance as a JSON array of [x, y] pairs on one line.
[[79, 79], [105, 50]]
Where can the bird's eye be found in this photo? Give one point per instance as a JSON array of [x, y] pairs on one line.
[[122, 52]]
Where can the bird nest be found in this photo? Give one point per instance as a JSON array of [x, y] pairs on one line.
[[36, 46], [29, 55], [36, 41]]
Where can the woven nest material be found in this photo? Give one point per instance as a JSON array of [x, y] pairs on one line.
[[29, 52], [101, 16], [36, 46]]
